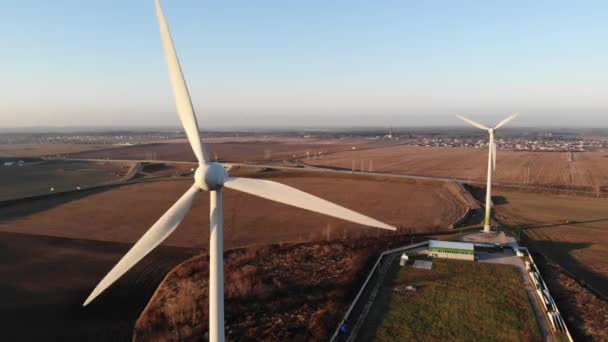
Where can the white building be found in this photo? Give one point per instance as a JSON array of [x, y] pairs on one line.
[[452, 250]]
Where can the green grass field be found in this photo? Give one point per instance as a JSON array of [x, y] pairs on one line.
[[455, 301]]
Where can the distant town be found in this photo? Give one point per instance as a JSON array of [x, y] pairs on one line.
[[517, 141], [520, 144]]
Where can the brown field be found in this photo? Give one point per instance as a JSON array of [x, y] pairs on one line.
[[554, 169], [39, 150], [571, 231], [38, 177], [540, 168], [123, 214], [54, 250], [230, 151], [44, 281]]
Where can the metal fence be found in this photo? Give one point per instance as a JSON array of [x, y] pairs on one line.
[[366, 295]]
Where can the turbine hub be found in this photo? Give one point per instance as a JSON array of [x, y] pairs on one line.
[[210, 176]]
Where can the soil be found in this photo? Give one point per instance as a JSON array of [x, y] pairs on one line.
[[124, 213], [45, 280]]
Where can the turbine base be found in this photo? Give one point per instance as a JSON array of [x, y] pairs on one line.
[[487, 228]]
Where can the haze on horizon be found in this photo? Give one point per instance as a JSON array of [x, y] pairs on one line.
[[310, 63]]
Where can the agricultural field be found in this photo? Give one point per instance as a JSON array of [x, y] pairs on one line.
[[56, 249], [555, 169], [37, 177], [572, 231], [585, 313], [570, 236], [123, 214], [455, 301], [46, 279], [40, 150], [235, 150]]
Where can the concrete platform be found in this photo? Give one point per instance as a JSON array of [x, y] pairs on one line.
[[424, 264], [493, 237]]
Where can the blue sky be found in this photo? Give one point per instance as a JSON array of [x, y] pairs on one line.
[[306, 63]]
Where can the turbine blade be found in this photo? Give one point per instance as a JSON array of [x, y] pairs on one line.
[[183, 103], [476, 124], [285, 194], [152, 238], [503, 122]]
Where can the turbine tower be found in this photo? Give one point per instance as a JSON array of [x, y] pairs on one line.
[[212, 177], [491, 162]]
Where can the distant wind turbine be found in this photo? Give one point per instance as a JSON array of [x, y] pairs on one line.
[[212, 177], [491, 162]]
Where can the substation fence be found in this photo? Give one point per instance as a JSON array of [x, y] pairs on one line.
[[361, 304], [544, 296]]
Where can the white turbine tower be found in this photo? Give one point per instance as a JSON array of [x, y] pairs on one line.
[[491, 162], [212, 177]]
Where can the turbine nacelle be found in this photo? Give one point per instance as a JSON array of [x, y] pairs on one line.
[[491, 162], [213, 177], [210, 176]]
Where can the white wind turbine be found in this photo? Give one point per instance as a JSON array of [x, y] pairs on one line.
[[212, 177], [491, 162]]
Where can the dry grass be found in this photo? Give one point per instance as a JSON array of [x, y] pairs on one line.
[[585, 313], [273, 293]]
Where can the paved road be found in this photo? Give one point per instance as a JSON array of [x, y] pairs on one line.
[[310, 168]]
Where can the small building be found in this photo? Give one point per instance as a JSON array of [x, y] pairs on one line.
[[452, 250], [404, 259]]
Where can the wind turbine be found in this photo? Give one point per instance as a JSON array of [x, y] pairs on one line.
[[212, 177], [491, 162]]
